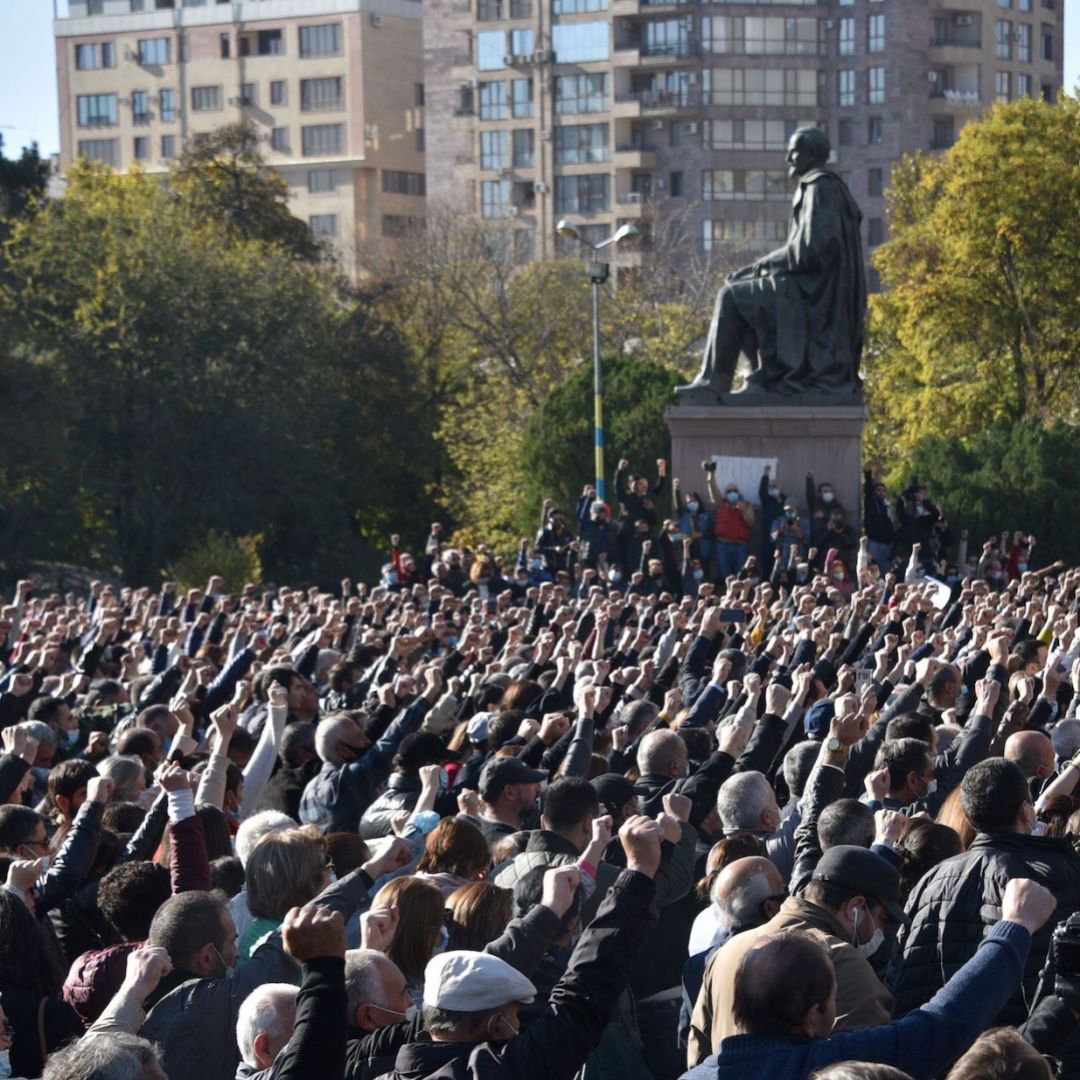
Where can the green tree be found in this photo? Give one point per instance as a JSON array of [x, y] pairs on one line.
[[1011, 475], [557, 445], [201, 380], [22, 181], [981, 285]]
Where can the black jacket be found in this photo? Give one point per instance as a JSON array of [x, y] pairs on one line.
[[554, 1046], [955, 904]]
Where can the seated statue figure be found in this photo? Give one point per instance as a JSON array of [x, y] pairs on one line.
[[798, 312]]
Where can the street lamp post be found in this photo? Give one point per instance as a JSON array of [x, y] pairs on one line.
[[598, 274]]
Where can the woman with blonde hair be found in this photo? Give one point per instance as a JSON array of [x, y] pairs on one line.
[[952, 815], [421, 925], [284, 870], [476, 915]]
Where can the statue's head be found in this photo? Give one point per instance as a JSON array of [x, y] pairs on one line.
[[808, 149]]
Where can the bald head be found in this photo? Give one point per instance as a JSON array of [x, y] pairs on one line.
[[339, 739], [1032, 752], [662, 753], [748, 892]]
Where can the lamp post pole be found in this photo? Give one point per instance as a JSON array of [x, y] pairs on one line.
[[598, 274]]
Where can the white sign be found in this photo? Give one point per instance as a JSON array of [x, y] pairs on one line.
[[744, 471]]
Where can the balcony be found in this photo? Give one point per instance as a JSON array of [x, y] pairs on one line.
[[961, 99], [632, 204], [635, 157], [656, 102]]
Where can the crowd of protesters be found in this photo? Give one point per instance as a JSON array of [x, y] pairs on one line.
[[732, 792]]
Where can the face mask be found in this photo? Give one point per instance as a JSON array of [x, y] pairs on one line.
[[839, 575], [676, 537], [791, 514], [444, 779], [692, 506], [614, 577], [406, 1016], [71, 737], [866, 949], [391, 579], [931, 786], [827, 496], [1021, 567], [444, 940], [5, 1064], [225, 969], [698, 575], [536, 564], [732, 496], [774, 492], [506, 1026]]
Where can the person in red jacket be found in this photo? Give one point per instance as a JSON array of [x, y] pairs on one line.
[[734, 518]]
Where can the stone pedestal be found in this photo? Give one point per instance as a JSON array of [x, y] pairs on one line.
[[824, 438]]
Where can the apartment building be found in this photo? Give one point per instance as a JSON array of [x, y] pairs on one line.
[[605, 111], [335, 88]]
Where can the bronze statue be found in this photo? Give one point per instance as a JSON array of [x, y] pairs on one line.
[[798, 312]]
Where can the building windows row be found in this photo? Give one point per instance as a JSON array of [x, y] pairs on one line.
[[582, 194], [321, 140], [396, 182], [495, 47], [760, 86], [323, 226], [719, 185], [581, 94], [846, 86], [496, 10], [875, 131], [96, 110], [751, 134], [582, 144], [89, 57], [108, 150], [769, 35], [719, 233], [494, 198]]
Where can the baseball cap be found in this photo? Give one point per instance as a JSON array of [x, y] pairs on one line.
[[866, 872], [464, 981], [500, 773], [613, 790], [818, 717]]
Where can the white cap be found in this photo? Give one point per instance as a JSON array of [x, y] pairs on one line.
[[472, 982]]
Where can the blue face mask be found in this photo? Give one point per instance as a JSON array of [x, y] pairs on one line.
[[444, 779], [444, 940], [691, 506], [71, 738], [5, 1064]]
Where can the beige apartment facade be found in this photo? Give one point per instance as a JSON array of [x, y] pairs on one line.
[[606, 111], [334, 87]]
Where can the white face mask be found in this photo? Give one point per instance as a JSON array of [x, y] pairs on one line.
[[406, 1016], [868, 948], [5, 1064], [931, 786]]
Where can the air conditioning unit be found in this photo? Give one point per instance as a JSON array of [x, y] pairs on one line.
[[123, 101], [545, 135], [473, 84], [542, 56], [376, 20], [502, 172], [512, 211], [692, 128], [658, 125], [540, 187], [830, 24], [508, 60], [964, 20], [661, 184]]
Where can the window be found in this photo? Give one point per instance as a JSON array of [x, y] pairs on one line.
[[875, 231], [1004, 3], [943, 136], [321, 40], [875, 85], [321, 95], [153, 50], [323, 226], [108, 54], [494, 149], [521, 41], [1003, 39], [320, 139], [224, 40], [846, 46], [874, 183], [716, 233], [249, 94], [521, 91], [1023, 85], [581, 94], [418, 95], [760, 86], [396, 182], [271, 43], [140, 107], [278, 92], [582, 194], [770, 35], [103, 150], [167, 105], [577, 7], [205, 98], [489, 10], [743, 184], [490, 50], [1023, 5], [668, 37], [1023, 42], [875, 33], [320, 181], [279, 140], [576, 43], [493, 101], [846, 91], [582, 144], [524, 149], [1001, 86], [419, 140], [675, 185], [141, 148], [1047, 36], [750, 134], [494, 198], [875, 130], [96, 110], [89, 57], [168, 146], [846, 132], [398, 225]]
